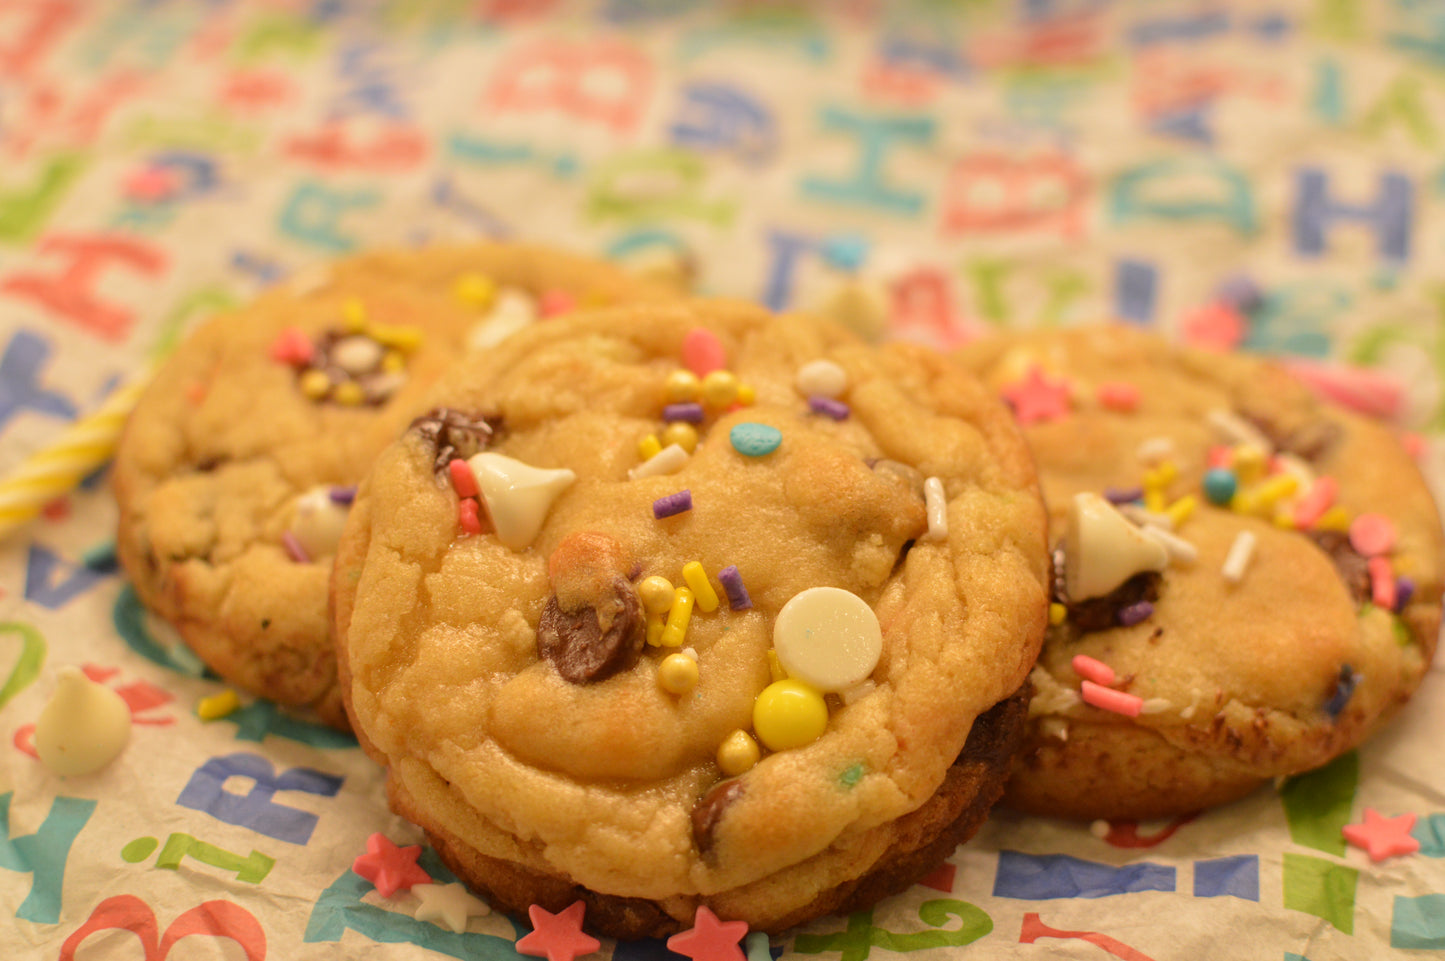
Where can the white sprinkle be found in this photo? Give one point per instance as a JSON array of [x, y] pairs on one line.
[[1155, 449], [1180, 550], [858, 691], [1239, 556], [822, 378], [669, 460], [1099, 829], [1146, 518], [1155, 705], [937, 505], [1237, 430], [689, 652]]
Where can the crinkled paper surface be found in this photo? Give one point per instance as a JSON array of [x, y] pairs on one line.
[[978, 163]]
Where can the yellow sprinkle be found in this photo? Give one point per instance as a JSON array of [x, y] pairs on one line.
[[1245, 502], [656, 593], [682, 387], [719, 388], [746, 395], [1180, 510], [594, 298], [348, 394], [1277, 489], [655, 625], [1284, 519], [1334, 519], [353, 315], [702, 590], [677, 618], [1057, 613], [648, 447], [404, 339], [1249, 462], [738, 753], [315, 384], [1154, 500], [475, 290], [681, 433], [393, 362], [218, 705], [775, 666]]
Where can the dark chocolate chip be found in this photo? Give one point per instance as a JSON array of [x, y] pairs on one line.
[[1101, 613], [1312, 440], [709, 811], [1351, 565], [453, 434], [580, 647]]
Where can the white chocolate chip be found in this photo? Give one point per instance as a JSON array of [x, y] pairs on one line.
[[317, 522], [357, 354], [821, 378], [518, 495], [828, 638], [1103, 550], [669, 460], [84, 726]]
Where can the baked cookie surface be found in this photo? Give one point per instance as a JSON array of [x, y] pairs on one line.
[[1289, 607], [508, 663], [235, 470]]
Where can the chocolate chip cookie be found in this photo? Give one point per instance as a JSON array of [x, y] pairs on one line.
[[681, 605]]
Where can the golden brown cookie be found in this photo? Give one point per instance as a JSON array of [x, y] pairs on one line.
[[236, 468], [868, 516], [1247, 579]]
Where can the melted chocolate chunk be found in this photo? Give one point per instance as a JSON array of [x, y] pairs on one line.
[[709, 810], [1351, 565], [580, 647], [453, 434], [1100, 613], [1312, 441]]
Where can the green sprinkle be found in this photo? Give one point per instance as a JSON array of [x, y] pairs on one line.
[[852, 775]]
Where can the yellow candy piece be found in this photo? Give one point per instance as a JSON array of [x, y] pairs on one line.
[[747, 396], [738, 753], [353, 315], [682, 387], [404, 339], [1180, 510], [719, 388], [789, 714], [218, 705], [315, 384], [677, 674], [655, 592], [681, 433], [348, 394], [649, 447], [475, 290], [702, 590], [1161, 476], [677, 618], [1277, 489], [1057, 614]]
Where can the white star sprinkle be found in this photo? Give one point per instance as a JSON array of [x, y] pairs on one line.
[[448, 905]]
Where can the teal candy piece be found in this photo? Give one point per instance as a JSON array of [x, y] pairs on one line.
[[755, 440], [1219, 485]]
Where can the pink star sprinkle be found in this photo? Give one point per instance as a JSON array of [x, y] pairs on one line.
[[1037, 398], [1382, 837], [557, 937], [389, 867], [710, 939]]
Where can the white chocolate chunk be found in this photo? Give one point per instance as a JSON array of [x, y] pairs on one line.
[[518, 495], [1103, 550], [318, 522], [828, 638], [84, 726]]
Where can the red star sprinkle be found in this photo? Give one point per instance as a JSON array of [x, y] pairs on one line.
[[710, 939], [558, 937], [389, 867], [1382, 837], [1037, 398]]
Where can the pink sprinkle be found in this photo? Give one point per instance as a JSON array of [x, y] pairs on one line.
[[1382, 583], [1312, 506], [467, 517], [702, 352], [1364, 391], [1372, 534], [1215, 326], [554, 302], [294, 550], [151, 184], [1108, 699], [464, 482], [1093, 669], [1414, 445], [1219, 456], [293, 347], [1118, 395]]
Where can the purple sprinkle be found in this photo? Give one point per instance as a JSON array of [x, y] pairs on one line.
[[1134, 613], [1241, 293], [732, 583], [692, 413], [294, 549], [1404, 590], [672, 504], [1123, 495], [830, 406], [1344, 689], [342, 495]]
